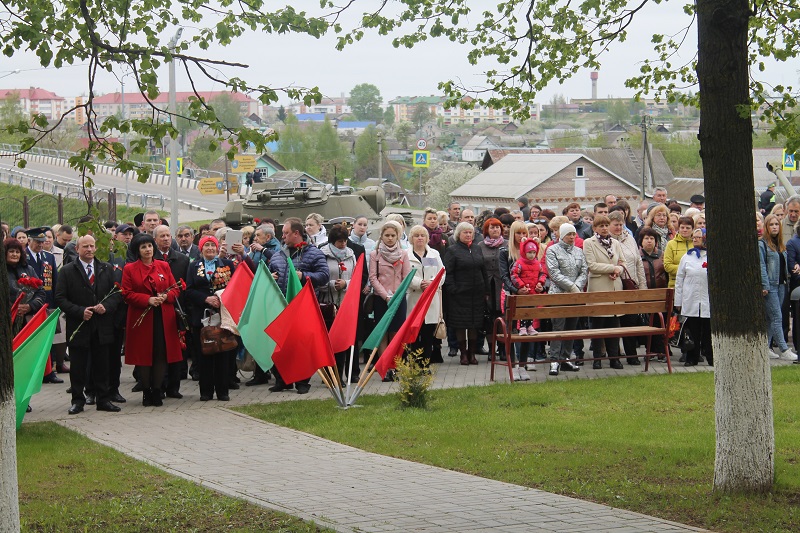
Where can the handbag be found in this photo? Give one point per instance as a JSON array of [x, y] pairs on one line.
[[211, 318], [180, 317], [441, 329], [214, 340], [367, 304], [628, 283], [328, 312]]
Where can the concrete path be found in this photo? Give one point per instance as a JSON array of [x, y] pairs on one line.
[[335, 485]]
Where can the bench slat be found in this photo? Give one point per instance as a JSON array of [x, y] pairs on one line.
[[528, 313], [577, 298], [634, 331]]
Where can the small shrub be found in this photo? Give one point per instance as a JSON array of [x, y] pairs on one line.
[[414, 378]]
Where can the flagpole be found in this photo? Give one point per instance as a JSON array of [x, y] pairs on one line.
[[333, 391], [358, 389], [333, 375], [362, 381], [352, 354]]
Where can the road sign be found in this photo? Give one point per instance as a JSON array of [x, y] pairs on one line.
[[216, 185], [422, 158], [789, 161], [170, 164], [243, 163], [422, 144]]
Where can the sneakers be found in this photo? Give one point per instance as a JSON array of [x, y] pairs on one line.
[[523, 375], [554, 369], [531, 367], [523, 331], [788, 355], [532, 331], [772, 355], [515, 373]]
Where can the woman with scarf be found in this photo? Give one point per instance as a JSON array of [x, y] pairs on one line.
[[341, 265], [656, 276], [316, 232], [436, 239], [426, 264], [466, 287], [207, 275], [359, 233], [388, 267], [774, 283], [566, 266], [691, 299], [148, 288], [605, 261], [633, 264], [658, 220], [490, 246]]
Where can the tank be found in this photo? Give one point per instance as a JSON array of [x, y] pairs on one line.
[[296, 194]]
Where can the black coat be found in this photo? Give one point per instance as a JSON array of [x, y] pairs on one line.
[[198, 287], [465, 286], [74, 294]]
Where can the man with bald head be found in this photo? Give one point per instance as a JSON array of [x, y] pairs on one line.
[[81, 295]]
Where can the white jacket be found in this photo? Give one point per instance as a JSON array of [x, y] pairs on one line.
[[421, 273], [691, 286]]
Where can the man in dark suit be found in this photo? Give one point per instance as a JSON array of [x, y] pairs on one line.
[[44, 264], [81, 295], [185, 238], [179, 265]]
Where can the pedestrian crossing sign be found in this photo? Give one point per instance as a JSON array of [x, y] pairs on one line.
[[422, 158], [789, 161]]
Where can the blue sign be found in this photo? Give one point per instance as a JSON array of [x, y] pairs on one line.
[[422, 158]]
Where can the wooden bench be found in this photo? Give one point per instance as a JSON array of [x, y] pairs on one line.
[[657, 303]]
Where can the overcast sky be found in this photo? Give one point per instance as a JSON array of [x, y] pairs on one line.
[[294, 60]]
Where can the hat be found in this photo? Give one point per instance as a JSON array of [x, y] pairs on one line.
[[122, 228], [771, 185], [566, 229], [523, 200], [207, 238], [37, 234], [529, 245], [698, 199]]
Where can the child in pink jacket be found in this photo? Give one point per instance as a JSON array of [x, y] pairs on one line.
[[527, 272]]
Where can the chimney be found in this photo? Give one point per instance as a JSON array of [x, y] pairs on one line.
[[594, 76]]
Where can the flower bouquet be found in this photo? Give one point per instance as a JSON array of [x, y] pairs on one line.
[[28, 285], [115, 290], [177, 285]]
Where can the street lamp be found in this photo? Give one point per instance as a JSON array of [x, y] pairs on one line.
[[173, 143], [125, 135]]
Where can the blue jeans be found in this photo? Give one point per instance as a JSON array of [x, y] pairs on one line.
[[772, 303]]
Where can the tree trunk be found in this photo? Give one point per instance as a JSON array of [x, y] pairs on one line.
[[743, 387], [9, 499]]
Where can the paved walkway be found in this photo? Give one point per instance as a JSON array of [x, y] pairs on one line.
[[330, 483]]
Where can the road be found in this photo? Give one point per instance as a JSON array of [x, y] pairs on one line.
[[106, 181]]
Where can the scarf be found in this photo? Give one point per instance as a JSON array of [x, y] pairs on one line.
[[211, 266], [391, 254], [339, 255], [567, 247], [435, 237], [606, 243], [493, 243], [663, 236], [696, 251]]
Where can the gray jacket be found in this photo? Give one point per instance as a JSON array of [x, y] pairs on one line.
[[566, 267]]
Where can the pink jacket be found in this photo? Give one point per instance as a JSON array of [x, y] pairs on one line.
[[385, 276]]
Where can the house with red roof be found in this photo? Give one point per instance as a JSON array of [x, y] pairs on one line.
[[35, 100], [137, 107]]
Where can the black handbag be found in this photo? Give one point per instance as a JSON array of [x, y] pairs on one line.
[[628, 283]]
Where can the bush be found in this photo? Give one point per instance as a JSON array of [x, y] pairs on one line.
[[415, 378]]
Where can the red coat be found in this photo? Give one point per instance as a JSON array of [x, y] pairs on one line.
[[139, 283]]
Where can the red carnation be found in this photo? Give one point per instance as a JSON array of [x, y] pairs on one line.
[[705, 264], [342, 268]]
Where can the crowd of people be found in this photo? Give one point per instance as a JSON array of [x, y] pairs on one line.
[[149, 300]]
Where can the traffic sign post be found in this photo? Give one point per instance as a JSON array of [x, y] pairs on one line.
[[178, 162], [422, 159], [242, 164], [789, 161], [422, 144]]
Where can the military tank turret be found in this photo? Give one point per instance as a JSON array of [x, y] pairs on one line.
[[296, 194]]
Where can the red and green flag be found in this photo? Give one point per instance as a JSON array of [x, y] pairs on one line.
[[293, 285], [264, 303], [30, 359], [343, 329], [374, 339]]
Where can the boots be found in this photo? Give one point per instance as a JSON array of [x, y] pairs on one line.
[[471, 354], [462, 347], [156, 398], [147, 395]]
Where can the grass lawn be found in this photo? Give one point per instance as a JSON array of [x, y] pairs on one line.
[[70, 483], [643, 443]]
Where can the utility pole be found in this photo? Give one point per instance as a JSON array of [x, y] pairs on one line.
[[380, 158], [644, 152], [173, 143]]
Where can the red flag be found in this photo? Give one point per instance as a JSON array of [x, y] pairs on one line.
[[343, 330], [15, 306], [409, 331], [302, 341], [36, 321], [234, 297]]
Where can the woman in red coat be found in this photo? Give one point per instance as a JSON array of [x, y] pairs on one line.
[[154, 342]]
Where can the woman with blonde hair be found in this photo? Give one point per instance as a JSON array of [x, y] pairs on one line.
[[774, 282], [426, 263], [658, 220], [635, 267], [397, 217], [508, 254], [317, 234], [388, 267]]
